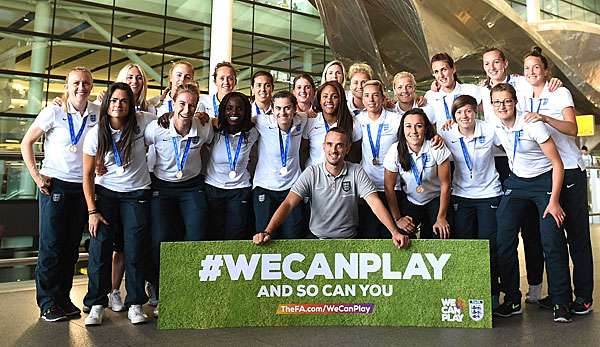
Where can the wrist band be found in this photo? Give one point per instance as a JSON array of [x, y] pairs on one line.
[[92, 212]]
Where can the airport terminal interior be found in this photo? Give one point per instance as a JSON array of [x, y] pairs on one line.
[[41, 40]]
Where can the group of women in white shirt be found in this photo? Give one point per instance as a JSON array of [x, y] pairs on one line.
[[178, 167]]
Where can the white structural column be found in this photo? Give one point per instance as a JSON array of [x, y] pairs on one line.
[[39, 56], [221, 33], [533, 11]]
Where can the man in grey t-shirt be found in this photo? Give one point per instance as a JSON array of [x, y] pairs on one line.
[[334, 189]]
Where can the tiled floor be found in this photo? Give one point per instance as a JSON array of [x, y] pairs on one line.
[[20, 326]]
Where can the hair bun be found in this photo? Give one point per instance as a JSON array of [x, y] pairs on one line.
[[536, 50]]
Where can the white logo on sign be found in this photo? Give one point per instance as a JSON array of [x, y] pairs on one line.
[[451, 310], [476, 310]]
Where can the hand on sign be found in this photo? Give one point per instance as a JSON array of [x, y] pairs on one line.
[[261, 238], [406, 224], [400, 240], [441, 228]]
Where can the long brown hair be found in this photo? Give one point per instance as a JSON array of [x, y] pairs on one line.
[[403, 153], [127, 134], [343, 115]]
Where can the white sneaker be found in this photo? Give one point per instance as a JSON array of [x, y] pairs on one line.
[[136, 315], [534, 294], [95, 316], [114, 301], [152, 300]]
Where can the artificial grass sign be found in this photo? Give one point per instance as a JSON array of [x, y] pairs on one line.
[[433, 283]]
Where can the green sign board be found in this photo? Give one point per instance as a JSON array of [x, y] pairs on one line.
[[433, 283]]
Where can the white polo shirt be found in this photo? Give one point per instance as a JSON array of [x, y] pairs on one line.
[[210, 104], [389, 122], [268, 169], [315, 132], [483, 180], [256, 110], [165, 166], [426, 108], [437, 100], [218, 165], [551, 104], [136, 175], [430, 180], [59, 162], [528, 159], [353, 109]]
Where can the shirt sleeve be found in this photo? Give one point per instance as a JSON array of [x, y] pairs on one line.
[[440, 155], [363, 183], [563, 98], [475, 92], [307, 127], [538, 132], [356, 130], [390, 162], [304, 183], [45, 119], [149, 133], [90, 143]]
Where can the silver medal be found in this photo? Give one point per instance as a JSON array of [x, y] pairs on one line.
[[283, 171], [120, 171], [72, 148], [232, 174]]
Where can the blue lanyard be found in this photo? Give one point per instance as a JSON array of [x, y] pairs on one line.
[[138, 109], [517, 139], [448, 115], [181, 164], [257, 109], [116, 153], [531, 105], [508, 79], [326, 125], [283, 151], [466, 155], [356, 112], [215, 106], [413, 167], [375, 147], [233, 162], [75, 138], [170, 104]]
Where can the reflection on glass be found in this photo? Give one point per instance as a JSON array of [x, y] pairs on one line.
[[15, 181]]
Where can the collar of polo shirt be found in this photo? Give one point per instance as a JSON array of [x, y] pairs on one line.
[[344, 171], [476, 134], [71, 109], [173, 133], [424, 149]]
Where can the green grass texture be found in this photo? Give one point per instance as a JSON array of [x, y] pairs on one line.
[[186, 302]]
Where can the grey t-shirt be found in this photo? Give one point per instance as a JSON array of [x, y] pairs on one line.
[[334, 200]]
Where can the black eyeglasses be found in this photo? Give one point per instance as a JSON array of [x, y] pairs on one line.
[[505, 102]]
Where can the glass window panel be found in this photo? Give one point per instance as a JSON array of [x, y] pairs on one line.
[[12, 130], [25, 95], [199, 11], [304, 6], [272, 53], [272, 22], [244, 73], [150, 6], [69, 54], [242, 16], [307, 29], [15, 181], [138, 30], [242, 48], [188, 39], [285, 4], [306, 58], [18, 18]]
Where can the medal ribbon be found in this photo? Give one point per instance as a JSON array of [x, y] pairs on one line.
[[215, 106], [233, 162], [284, 150], [413, 167], [75, 138], [116, 153], [375, 147], [181, 164], [170, 104], [465, 152], [531, 105]]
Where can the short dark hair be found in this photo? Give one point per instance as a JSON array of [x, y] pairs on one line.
[[284, 94], [537, 52], [340, 131], [504, 87], [247, 116], [584, 148], [260, 73], [461, 101]]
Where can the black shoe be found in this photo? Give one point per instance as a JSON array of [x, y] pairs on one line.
[[54, 314], [581, 306], [546, 303], [562, 314], [71, 310], [508, 309]]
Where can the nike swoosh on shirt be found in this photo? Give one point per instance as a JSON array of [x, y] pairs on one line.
[[570, 185]]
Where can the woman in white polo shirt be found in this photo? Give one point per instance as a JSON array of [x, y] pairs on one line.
[[476, 187], [379, 131], [536, 176], [425, 172], [262, 90], [228, 187], [444, 72], [278, 164], [330, 103], [119, 197], [556, 110], [181, 72], [61, 200], [334, 71], [178, 193], [304, 88], [225, 79]]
